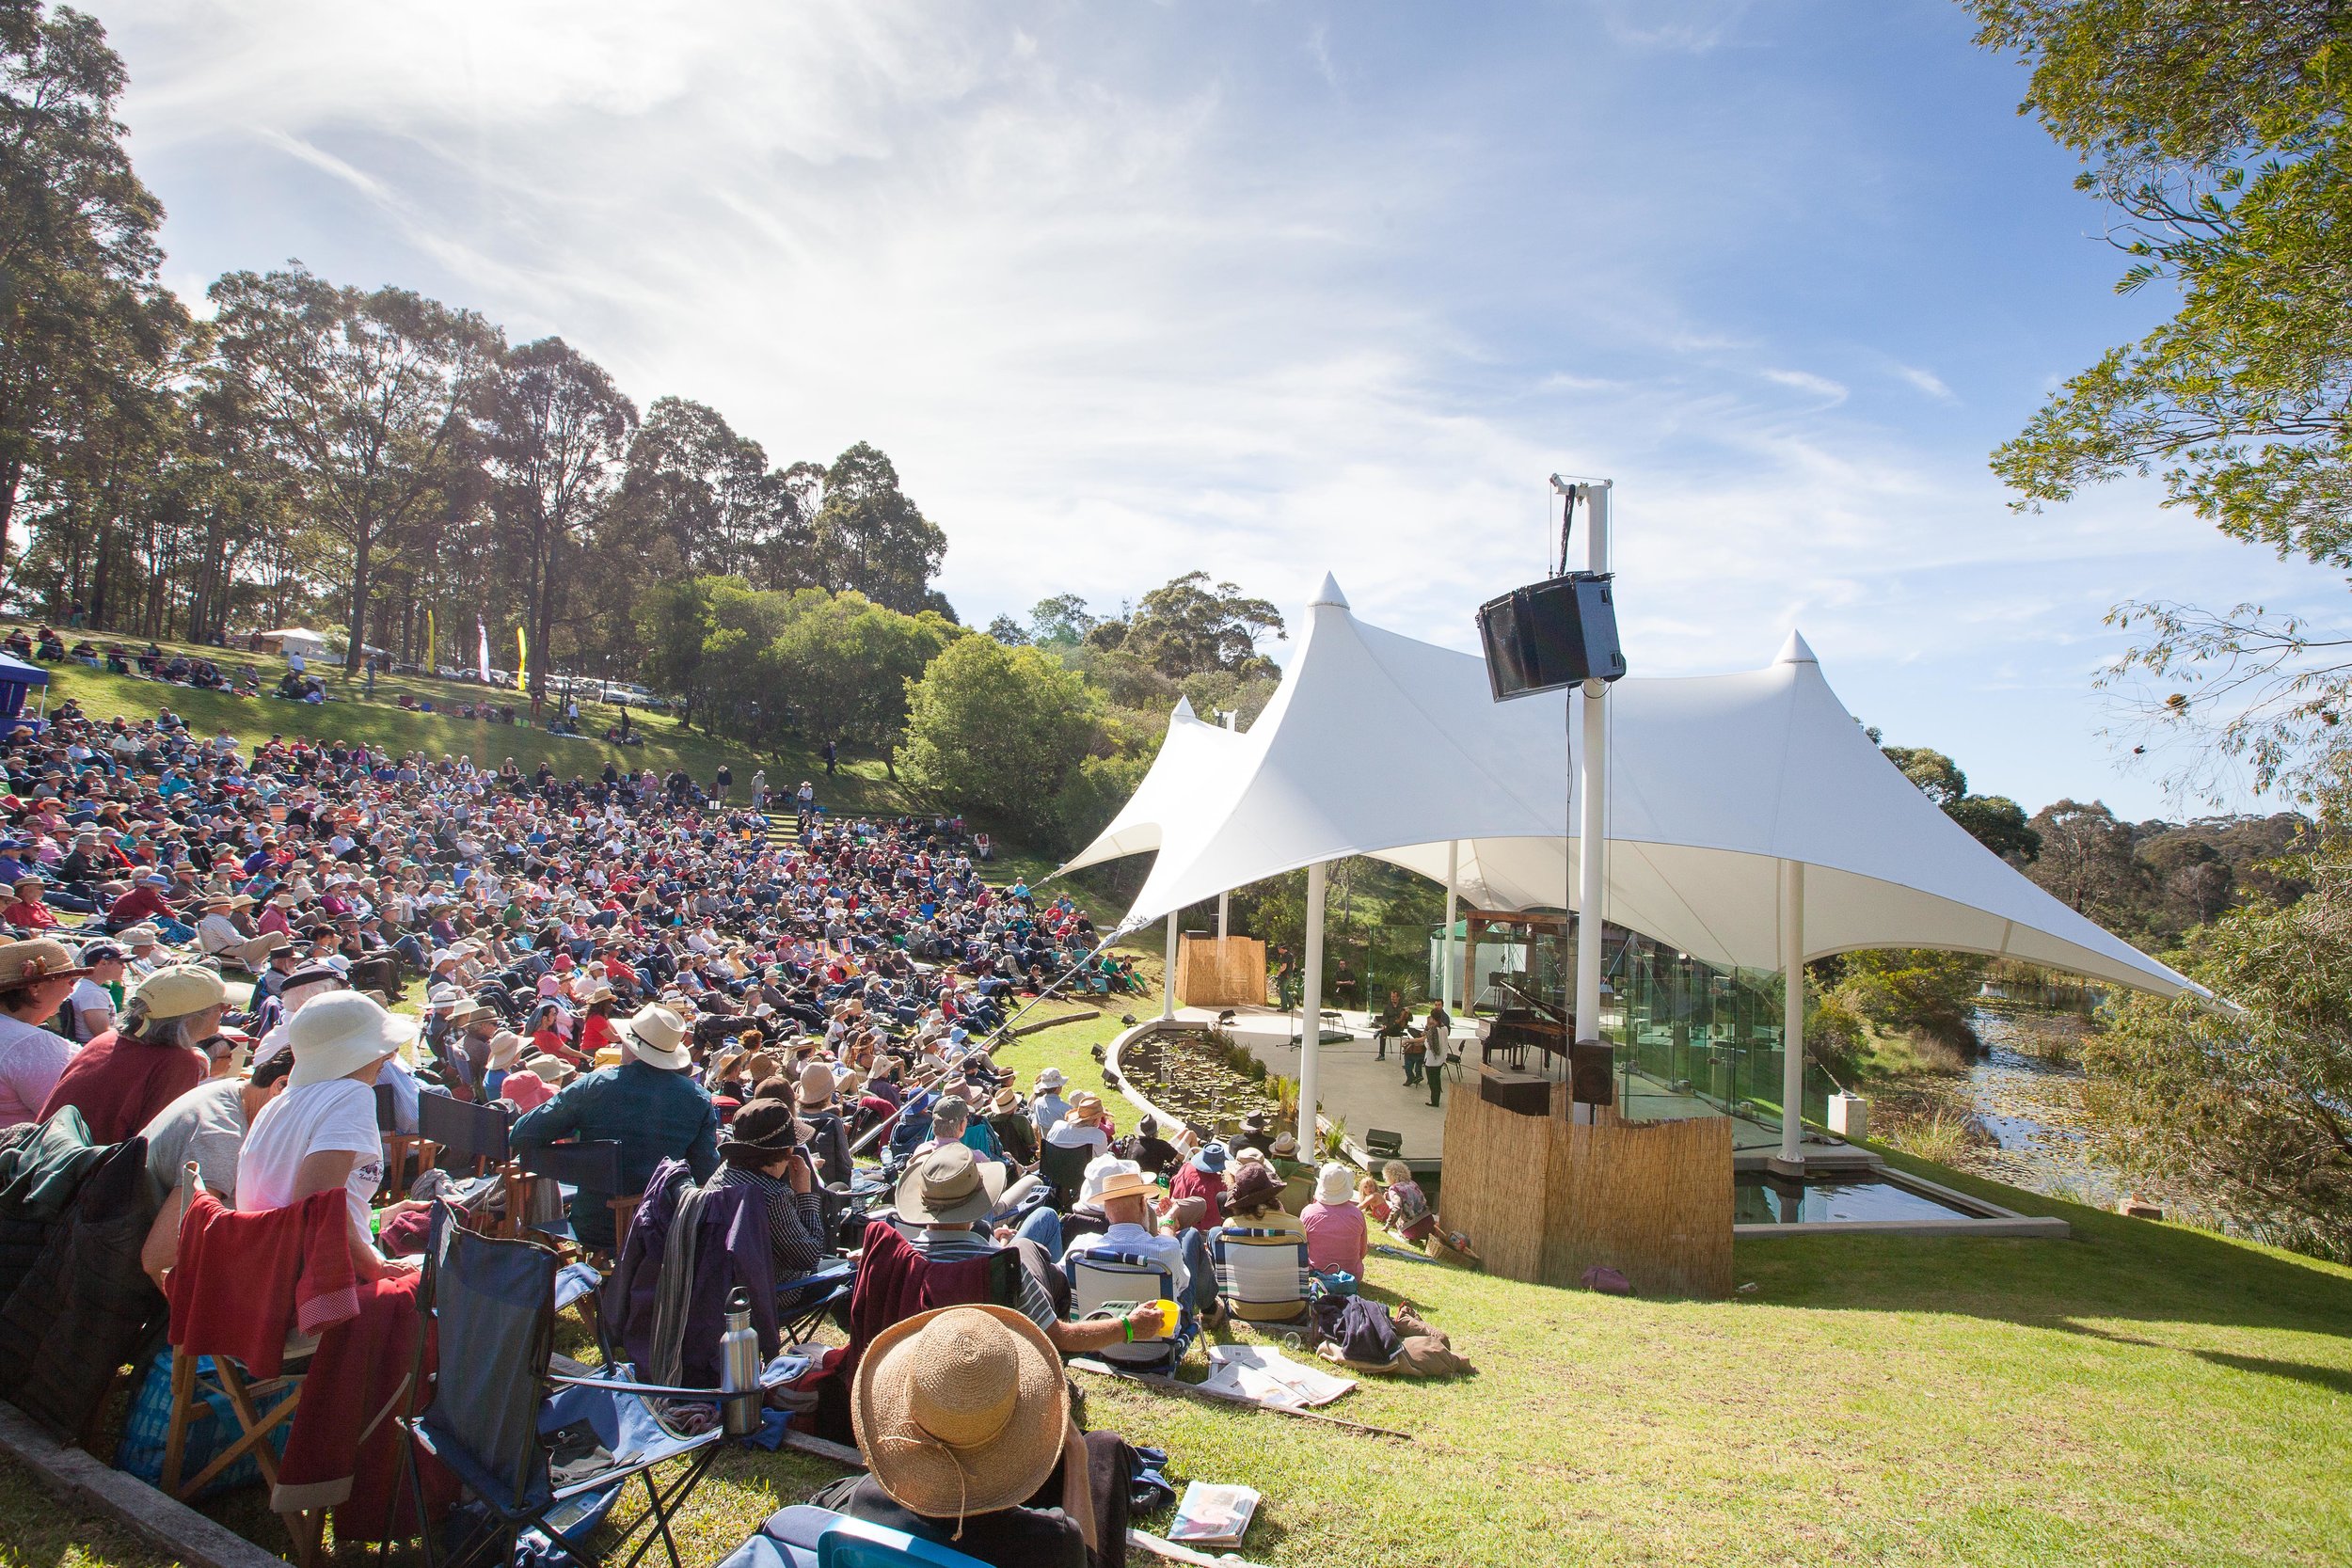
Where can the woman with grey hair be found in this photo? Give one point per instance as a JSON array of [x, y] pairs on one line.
[[157, 1051]]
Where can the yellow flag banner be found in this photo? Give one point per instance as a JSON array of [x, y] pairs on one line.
[[432, 647], [523, 661]]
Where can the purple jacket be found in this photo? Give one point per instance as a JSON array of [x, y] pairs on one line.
[[731, 1250]]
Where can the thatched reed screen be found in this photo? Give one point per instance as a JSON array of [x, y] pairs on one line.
[[1227, 974], [1543, 1200]]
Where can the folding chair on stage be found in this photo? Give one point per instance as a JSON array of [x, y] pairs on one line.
[[540, 1451], [1104, 1278], [1261, 1274]]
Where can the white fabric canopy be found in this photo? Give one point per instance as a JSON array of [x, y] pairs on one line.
[[1380, 745]]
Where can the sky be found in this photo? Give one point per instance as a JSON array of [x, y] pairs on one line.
[[1269, 290]]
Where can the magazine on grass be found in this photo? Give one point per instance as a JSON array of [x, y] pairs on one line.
[[1213, 1516]]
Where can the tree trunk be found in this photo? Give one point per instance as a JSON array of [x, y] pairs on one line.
[[357, 620]]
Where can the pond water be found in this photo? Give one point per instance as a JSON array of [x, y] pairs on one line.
[[1758, 1198], [2025, 1091]]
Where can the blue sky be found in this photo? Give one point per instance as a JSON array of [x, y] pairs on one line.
[[1127, 290]]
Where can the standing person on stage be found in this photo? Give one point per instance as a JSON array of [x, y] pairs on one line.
[[1437, 1042]]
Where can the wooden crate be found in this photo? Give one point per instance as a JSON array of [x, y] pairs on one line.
[[1228, 974], [1542, 1200]]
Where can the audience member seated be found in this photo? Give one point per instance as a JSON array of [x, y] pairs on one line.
[[36, 977], [949, 1198], [650, 1104], [208, 1125], [156, 1052], [1336, 1232], [1256, 1201], [963, 1416], [1126, 1195], [1202, 1176], [320, 1133], [764, 1150]]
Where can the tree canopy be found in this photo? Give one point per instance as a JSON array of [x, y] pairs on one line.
[[2216, 132]]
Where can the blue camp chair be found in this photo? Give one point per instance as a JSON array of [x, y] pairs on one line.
[[806, 1537], [497, 1409]]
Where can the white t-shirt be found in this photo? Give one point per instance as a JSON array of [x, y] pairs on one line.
[[31, 1061], [89, 996], [317, 1117]]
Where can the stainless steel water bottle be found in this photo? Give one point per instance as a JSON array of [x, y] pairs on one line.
[[739, 1368]]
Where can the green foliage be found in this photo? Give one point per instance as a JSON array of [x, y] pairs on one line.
[[1913, 989], [999, 732], [2251, 1109], [872, 539], [1186, 626], [2217, 131]]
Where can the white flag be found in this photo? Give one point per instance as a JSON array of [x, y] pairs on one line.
[[485, 653]]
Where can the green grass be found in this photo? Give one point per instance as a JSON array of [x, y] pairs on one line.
[[39, 1530]]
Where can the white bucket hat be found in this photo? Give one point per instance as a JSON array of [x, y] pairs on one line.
[[336, 1035], [657, 1036], [1333, 1184]]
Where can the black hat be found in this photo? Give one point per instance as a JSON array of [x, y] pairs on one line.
[[766, 1125]]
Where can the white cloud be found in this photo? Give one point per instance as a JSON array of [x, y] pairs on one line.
[[1809, 383], [1926, 381]]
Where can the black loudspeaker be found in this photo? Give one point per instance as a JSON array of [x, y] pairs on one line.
[[1552, 634], [1592, 1073]]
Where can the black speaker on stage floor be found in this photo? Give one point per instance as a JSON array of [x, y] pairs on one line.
[[1552, 634]]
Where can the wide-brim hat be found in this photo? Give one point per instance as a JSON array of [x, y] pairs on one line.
[[960, 1411], [950, 1185], [1252, 1182], [336, 1035], [656, 1036], [1333, 1184], [507, 1048], [23, 963], [1086, 1107], [1285, 1146], [1129, 1183], [766, 1125], [817, 1086]]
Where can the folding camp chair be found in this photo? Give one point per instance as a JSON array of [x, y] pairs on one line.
[[468, 1132], [1065, 1166], [1261, 1274], [1102, 1278], [499, 1412], [397, 1145], [805, 1303], [200, 1370]]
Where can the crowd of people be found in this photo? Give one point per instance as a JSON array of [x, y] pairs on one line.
[[208, 940]]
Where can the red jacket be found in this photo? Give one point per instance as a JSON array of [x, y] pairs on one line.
[[244, 1280], [141, 903], [118, 1085]]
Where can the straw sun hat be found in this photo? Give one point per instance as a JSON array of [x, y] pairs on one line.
[[960, 1411]]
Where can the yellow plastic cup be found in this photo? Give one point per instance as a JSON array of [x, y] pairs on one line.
[[1169, 1317]]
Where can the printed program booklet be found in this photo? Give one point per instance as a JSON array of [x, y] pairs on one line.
[[1213, 1516]]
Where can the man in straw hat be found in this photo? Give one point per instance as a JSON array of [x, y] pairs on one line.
[[649, 1104], [820, 1102], [963, 1416], [950, 1196], [320, 1135]]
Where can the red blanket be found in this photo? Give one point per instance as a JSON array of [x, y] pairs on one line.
[[244, 1279], [344, 1452], [895, 1282]]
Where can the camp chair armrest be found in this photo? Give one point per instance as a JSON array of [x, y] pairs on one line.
[[768, 1378]]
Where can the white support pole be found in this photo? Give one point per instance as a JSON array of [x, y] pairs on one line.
[[1452, 956], [1224, 900], [1167, 989], [1592, 824], [1310, 1019], [1792, 1014]]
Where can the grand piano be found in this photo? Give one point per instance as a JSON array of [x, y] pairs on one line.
[[1525, 1022]]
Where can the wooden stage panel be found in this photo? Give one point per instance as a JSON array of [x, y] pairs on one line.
[[1543, 1200]]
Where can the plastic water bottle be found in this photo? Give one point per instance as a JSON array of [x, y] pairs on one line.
[[739, 1368]]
